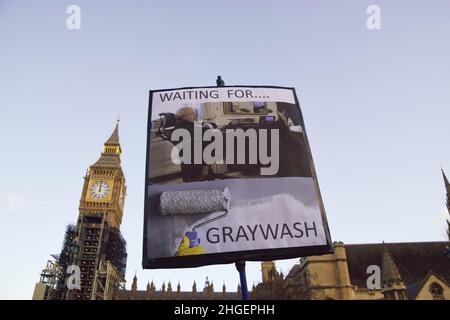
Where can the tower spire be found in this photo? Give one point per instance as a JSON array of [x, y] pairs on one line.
[[114, 138], [447, 184], [392, 282], [112, 145], [134, 284], [390, 272], [447, 187]]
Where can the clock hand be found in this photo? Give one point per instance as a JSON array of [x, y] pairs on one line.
[[100, 188]]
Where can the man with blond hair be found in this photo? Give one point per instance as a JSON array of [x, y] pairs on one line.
[[187, 114]]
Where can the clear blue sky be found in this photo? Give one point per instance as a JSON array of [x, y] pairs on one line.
[[376, 106]]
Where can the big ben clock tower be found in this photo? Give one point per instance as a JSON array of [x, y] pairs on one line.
[[99, 247], [104, 185]]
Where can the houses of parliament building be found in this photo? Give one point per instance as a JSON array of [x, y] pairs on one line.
[[393, 271]]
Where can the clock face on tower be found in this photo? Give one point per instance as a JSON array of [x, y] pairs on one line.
[[100, 189]]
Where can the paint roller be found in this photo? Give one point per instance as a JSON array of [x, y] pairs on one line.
[[190, 202]]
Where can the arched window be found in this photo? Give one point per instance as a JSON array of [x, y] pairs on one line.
[[436, 291]]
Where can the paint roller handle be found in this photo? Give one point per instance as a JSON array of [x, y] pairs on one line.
[[185, 250], [193, 238], [211, 220]]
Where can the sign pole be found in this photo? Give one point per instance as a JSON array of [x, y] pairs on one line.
[[240, 266]]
